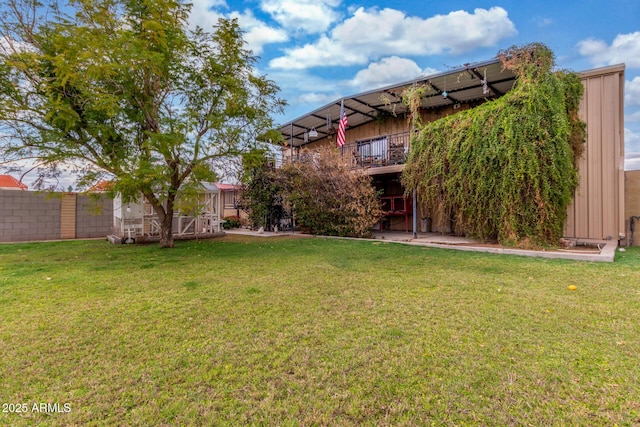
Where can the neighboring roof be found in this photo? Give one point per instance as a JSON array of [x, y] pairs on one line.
[[462, 85], [227, 187], [7, 181], [210, 187], [101, 187]]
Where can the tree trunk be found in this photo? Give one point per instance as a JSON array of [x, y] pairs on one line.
[[165, 216], [166, 231]]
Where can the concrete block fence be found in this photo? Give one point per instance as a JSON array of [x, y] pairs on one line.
[[29, 216]]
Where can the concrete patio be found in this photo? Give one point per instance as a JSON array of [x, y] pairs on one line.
[[606, 252]]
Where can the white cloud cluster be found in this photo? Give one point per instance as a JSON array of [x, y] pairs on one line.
[[205, 14], [257, 33], [625, 48], [388, 71], [307, 16], [373, 33]]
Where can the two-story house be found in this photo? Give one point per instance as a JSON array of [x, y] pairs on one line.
[[378, 139]]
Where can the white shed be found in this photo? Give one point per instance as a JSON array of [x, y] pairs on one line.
[[138, 219]]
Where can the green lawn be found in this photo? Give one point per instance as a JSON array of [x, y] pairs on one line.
[[311, 331]]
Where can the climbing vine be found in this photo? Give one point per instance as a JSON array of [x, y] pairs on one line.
[[505, 170]]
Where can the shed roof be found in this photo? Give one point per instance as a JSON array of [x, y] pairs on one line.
[[227, 187], [7, 181], [210, 187], [462, 85]]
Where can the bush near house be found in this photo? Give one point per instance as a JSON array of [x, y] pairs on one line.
[[231, 222], [260, 196], [328, 197]]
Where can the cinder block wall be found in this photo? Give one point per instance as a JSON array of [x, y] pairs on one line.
[[27, 216], [93, 218], [632, 203]]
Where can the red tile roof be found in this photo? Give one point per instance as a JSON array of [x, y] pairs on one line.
[[101, 187], [227, 187], [7, 181]]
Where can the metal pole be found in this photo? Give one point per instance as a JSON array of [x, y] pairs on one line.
[[415, 214]]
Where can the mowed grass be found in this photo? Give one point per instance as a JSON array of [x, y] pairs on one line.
[[313, 331]]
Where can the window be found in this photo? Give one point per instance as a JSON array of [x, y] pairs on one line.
[[373, 148], [230, 196]]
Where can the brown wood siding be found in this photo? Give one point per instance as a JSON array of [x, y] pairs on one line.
[[597, 211], [68, 216]]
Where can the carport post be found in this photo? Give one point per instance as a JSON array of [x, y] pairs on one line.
[[415, 215]]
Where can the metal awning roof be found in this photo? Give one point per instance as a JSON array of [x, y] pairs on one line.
[[463, 85]]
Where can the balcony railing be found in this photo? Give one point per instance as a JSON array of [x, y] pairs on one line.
[[382, 150]]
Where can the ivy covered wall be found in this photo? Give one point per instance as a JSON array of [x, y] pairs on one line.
[[507, 169]]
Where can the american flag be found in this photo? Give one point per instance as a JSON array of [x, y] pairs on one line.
[[342, 126]]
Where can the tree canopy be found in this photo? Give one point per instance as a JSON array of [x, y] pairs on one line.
[[126, 90], [507, 169]]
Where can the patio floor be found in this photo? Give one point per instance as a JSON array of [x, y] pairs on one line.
[[447, 241]]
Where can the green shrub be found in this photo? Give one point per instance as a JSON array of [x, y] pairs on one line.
[[261, 195], [231, 222]]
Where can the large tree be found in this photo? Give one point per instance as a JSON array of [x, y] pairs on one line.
[[125, 88]]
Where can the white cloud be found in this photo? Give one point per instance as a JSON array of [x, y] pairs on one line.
[[388, 71], [372, 34], [307, 16], [633, 117], [632, 92], [542, 22], [257, 34], [631, 141], [204, 14], [625, 48], [9, 46], [317, 98], [631, 149]]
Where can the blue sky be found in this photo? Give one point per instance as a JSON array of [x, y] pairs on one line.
[[320, 50]]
